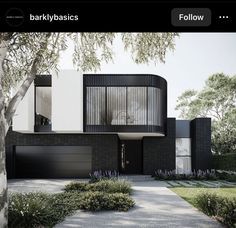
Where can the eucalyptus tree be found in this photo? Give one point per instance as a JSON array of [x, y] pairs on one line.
[[24, 55], [216, 100]]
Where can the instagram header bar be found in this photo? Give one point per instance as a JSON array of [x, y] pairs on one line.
[[117, 16]]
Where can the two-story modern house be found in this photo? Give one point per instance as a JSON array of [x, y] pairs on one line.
[[69, 125]]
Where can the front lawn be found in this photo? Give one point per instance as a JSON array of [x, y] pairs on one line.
[[219, 203], [190, 194]]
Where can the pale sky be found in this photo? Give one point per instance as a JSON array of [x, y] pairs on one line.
[[196, 57]]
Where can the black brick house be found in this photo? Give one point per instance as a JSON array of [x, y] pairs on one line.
[[125, 128]]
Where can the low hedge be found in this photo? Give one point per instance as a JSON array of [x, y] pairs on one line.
[[226, 175], [99, 175], [109, 186], [195, 175], [46, 210], [96, 201], [36, 210], [225, 162], [222, 208]]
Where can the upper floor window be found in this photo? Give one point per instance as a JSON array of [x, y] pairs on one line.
[[123, 106]]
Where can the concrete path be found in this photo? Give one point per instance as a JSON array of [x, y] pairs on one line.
[[38, 185], [156, 206]]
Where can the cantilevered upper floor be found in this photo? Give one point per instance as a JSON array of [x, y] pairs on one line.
[[125, 103]]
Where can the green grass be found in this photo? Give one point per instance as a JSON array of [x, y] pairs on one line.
[[189, 194]]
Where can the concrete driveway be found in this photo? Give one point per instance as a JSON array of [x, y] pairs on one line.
[[156, 206], [37, 185]]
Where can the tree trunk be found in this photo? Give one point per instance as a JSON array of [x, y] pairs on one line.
[[6, 117], [13, 104], [3, 175], [3, 53], [5, 120]]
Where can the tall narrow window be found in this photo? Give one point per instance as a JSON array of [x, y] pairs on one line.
[[96, 113], [43, 106], [183, 155], [116, 105], [137, 106]]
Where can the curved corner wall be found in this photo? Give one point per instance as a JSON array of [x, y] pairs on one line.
[[125, 103]]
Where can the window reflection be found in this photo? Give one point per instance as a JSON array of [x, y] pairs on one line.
[[43, 106], [116, 106], [137, 106], [123, 106], [96, 106]]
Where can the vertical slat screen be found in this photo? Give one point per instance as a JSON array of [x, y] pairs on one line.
[[96, 105], [137, 104], [116, 105], [154, 106], [124, 106]]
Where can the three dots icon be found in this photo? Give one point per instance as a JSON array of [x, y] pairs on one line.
[[223, 17]]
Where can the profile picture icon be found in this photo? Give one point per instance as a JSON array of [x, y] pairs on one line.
[[14, 17]]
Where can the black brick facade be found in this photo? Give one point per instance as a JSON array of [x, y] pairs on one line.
[[201, 143], [104, 147], [159, 152]]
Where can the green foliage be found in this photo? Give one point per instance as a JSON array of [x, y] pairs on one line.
[[226, 211], [109, 186], [216, 100], [207, 202], [65, 203], [46, 210], [35, 210], [224, 133], [99, 175], [148, 47], [225, 161], [196, 175], [223, 208], [231, 178], [24, 48], [120, 202], [185, 104], [226, 175], [90, 50], [190, 194], [95, 201], [76, 186]]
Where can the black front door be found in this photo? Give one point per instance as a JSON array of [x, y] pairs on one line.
[[131, 155]]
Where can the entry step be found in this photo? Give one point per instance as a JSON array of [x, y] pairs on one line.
[[136, 178]]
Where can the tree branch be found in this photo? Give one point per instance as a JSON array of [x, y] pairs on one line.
[[14, 102], [10, 111], [3, 53]]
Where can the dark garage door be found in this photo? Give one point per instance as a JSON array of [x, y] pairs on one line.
[[53, 161]]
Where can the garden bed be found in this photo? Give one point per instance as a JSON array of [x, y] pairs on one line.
[[46, 210], [195, 175]]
